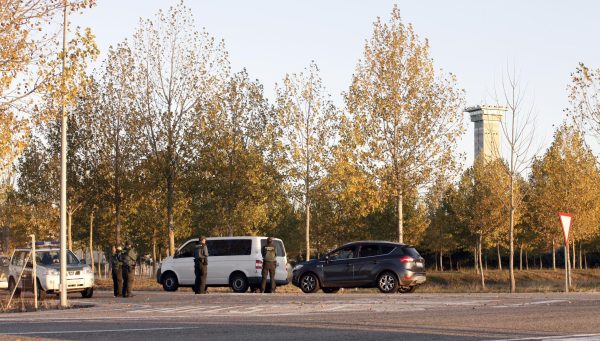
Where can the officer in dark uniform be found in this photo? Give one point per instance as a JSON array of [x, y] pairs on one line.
[[129, 257], [200, 266], [269, 265], [117, 270]]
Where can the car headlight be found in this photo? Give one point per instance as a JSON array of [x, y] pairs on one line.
[[87, 270], [298, 267]]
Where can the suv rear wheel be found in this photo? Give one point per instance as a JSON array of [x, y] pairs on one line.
[[309, 283], [170, 282], [387, 282], [238, 283]]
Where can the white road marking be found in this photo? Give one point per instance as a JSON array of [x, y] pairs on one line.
[[98, 331], [575, 337]]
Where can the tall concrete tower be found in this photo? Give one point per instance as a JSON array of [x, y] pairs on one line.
[[487, 129]]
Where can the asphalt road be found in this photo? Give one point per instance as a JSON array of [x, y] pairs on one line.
[[342, 316]]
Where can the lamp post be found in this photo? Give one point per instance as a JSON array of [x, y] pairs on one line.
[[63, 173]]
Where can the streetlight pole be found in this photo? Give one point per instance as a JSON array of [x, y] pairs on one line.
[[63, 173]]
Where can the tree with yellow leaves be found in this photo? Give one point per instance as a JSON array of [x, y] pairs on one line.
[[407, 116]]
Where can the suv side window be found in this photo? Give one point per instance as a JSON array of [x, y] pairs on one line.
[[385, 249], [343, 253], [240, 247], [187, 250], [369, 250]]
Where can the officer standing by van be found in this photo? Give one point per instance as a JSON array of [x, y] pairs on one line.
[[117, 270], [129, 257], [200, 266], [269, 265]]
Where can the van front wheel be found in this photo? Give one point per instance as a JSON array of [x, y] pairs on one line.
[[238, 283]]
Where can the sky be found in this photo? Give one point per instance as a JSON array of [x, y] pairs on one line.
[[476, 40]]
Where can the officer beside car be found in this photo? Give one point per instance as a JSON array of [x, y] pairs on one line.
[[129, 257], [269, 265], [200, 266], [117, 270]]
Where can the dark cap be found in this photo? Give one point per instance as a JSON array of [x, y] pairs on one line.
[[201, 238]]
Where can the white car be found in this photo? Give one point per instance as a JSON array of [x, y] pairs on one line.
[[80, 277], [234, 262]]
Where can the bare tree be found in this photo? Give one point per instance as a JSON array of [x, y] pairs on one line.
[[178, 70], [518, 128]]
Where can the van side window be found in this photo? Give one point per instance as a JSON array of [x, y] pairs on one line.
[[279, 249], [187, 251], [229, 247]]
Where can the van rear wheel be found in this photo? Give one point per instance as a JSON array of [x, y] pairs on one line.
[[238, 283]]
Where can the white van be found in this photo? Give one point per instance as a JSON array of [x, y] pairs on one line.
[[234, 262]]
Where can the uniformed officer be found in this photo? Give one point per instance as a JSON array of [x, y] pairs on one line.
[[200, 266], [129, 257], [269, 265], [117, 271]]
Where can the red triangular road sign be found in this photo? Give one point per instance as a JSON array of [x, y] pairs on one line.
[[565, 221]]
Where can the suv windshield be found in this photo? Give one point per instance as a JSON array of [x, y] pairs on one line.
[[52, 257]]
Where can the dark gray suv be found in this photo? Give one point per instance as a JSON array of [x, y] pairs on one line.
[[390, 267]]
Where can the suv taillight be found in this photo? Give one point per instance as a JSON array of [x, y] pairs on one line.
[[406, 259], [258, 264]]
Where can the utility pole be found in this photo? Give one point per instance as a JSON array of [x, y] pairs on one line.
[[63, 173]]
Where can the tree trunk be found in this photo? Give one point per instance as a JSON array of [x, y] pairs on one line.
[[436, 261], [480, 263], [117, 198], [92, 240], [475, 260], [450, 259], [511, 234], [585, 260], [99, 263], [170, 199], [553, 255], [485, 256], [541, 263], [441, 261], [580, 256], [574, 255], [526, 260], [69, 220], [400, 218], [499, 257], [153, 251], [521, 257], [307, 230]]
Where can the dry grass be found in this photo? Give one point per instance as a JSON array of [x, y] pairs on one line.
[[497, 281]]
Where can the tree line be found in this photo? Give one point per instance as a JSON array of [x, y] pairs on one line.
[[167, 142]]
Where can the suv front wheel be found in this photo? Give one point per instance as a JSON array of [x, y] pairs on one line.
[[309, 283], [87, 293], [387, 282]]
